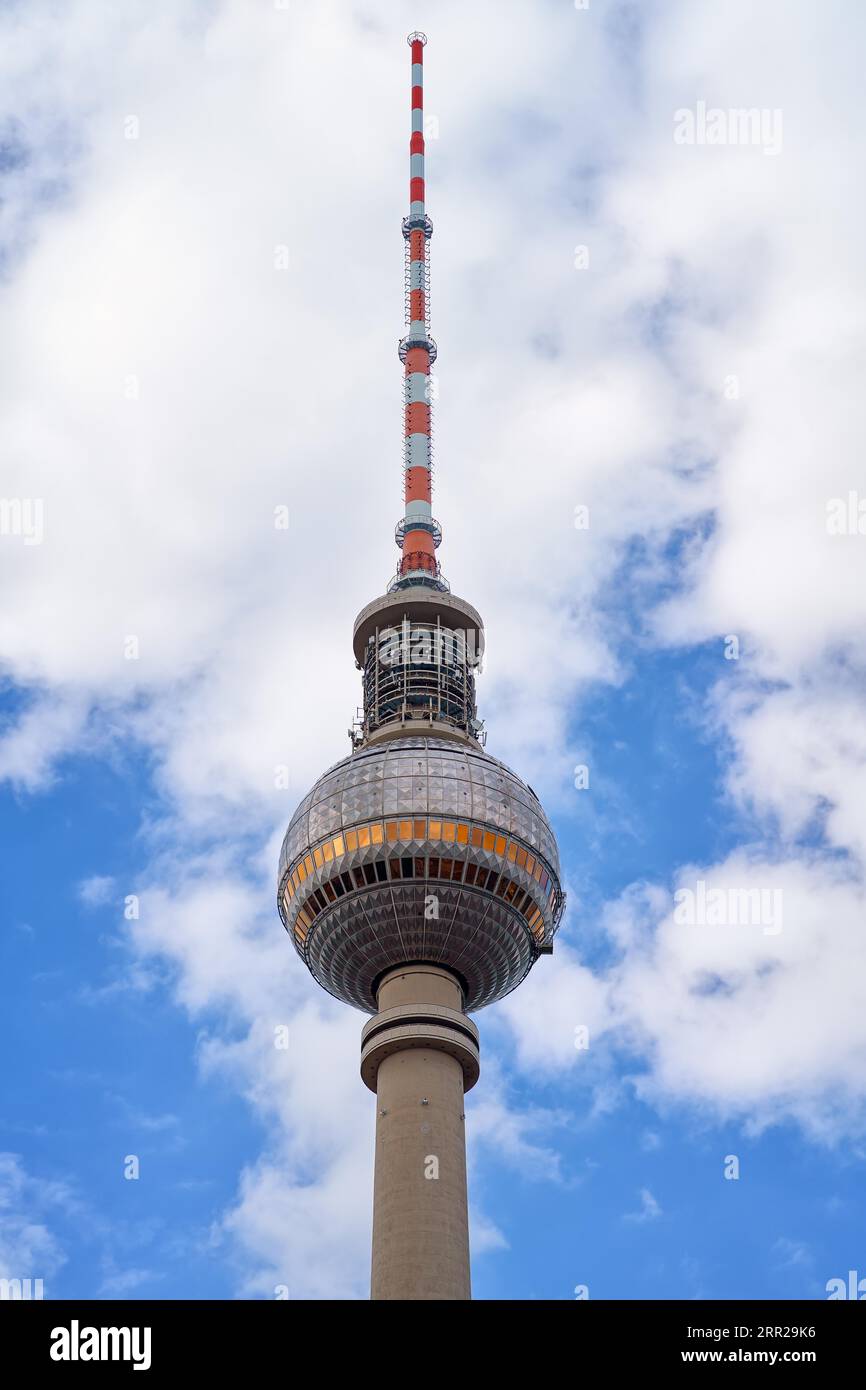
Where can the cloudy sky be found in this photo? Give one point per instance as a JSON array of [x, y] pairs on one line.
[[650, 318]]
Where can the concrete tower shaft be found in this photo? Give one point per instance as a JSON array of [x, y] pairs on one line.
[[419, 1054]]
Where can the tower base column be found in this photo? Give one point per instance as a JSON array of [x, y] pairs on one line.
[[420, 1053]]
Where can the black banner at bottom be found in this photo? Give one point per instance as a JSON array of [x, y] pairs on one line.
[[64, 1338]]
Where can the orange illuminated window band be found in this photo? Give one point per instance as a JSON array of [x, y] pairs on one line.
[[404, 829]]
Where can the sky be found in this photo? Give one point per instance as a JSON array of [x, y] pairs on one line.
[[649, 472]]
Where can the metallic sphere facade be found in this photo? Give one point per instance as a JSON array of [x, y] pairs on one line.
[[420, 849]]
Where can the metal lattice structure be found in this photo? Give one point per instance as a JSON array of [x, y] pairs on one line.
[[422, 673]]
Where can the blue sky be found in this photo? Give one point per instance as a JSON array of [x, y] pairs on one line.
[[693, 380]]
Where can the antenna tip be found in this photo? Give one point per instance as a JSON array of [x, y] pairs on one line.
[[417, 37]]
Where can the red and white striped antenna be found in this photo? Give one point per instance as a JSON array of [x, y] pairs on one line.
[[417, 534]]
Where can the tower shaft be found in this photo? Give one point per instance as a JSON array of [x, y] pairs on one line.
[[419, 1054]]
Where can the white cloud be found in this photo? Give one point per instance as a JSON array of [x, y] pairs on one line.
[[121, 1283], [762, 1027], [30, 748], [510, 1135], [29, 1248], [791, 1254], [741, 1021], [649, 1209], [97, 890], [484, 1235], [549, 1013]]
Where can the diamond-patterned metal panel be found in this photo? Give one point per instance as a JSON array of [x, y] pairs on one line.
[[367, 933]]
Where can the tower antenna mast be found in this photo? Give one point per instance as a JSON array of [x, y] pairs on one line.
[[417, 534]]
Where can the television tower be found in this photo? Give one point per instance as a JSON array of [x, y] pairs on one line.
[[419, 879]]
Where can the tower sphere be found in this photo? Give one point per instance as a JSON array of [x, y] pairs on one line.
[[420, 850]]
